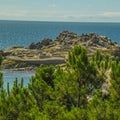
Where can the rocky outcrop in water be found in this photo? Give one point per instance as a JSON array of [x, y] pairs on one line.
[[90, 39], [50, 51]]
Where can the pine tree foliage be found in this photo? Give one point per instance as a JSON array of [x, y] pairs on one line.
[[74, 92]]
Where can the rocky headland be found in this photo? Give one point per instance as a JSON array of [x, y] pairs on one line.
[[55, 52]]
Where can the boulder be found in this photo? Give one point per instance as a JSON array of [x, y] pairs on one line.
[[39, 45], [32, 46], [46, 41]]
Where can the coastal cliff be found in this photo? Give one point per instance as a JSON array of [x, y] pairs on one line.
[[55, 52]]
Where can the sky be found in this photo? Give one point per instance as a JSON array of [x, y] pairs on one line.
[[61, 10]]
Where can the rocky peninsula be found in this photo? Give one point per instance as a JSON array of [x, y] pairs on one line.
[[55, 52]]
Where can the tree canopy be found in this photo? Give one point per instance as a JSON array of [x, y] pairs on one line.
[[85, 89]]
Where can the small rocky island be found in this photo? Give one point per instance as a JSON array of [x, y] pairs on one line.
[[55, 52]]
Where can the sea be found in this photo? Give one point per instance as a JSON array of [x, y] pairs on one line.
[[23, 33]]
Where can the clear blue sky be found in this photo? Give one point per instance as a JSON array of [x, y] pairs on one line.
[[61, 10]]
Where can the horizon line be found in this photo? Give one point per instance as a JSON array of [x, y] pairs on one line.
[[60, 21]]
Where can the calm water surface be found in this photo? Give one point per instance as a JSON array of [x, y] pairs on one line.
[[10, 76]]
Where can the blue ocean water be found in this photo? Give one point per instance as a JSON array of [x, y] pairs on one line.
[[22, 33], [10, 76]]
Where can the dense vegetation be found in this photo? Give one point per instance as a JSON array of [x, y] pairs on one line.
[[86, 89]]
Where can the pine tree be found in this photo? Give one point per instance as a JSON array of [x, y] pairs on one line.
[[80, 79]]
